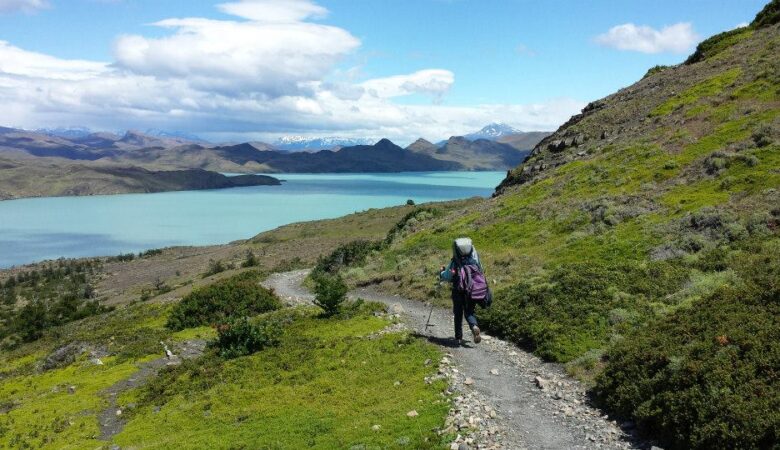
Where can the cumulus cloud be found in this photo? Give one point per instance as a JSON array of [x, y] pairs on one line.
[[432, 82], [269, 73], [26, 6], [677, 38], [271, 53], [15, 61]]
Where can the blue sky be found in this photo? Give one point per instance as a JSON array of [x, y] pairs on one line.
[[425, 67]]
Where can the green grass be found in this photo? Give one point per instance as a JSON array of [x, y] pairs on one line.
[[707, 88], [325, 386]]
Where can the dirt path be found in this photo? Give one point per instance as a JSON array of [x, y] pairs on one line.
[[110, 419], [538, 406]]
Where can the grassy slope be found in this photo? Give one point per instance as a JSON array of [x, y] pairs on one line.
[[324, 387], [679, 141], [286, 397]]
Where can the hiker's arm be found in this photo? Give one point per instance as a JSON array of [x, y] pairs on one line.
[[446, 274]]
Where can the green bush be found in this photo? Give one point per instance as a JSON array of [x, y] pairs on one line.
[[250, 260], [568, 314], [240, 295], [215, 267], [352, 253], [240, 337], [705, 377], [330, 293]]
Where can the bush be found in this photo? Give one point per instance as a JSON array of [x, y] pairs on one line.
[[410, 202], [352, 253], [215, 267], [707, 376], [150, 253], [330, 293], [240, 337], [240, 295], [250, 260]]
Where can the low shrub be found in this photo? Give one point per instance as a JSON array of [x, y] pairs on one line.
[[352, 253], [705, 377], [240, 337], [569, 313], [239, 295], [330, 293], [250, 260], [215, 267]]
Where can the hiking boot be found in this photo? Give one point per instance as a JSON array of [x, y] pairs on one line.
[[475, 332]]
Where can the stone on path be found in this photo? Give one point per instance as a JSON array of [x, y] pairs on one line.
[[468, 381]]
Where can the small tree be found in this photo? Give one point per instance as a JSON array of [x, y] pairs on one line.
[[330, 293], [250, 260], [410, 202]]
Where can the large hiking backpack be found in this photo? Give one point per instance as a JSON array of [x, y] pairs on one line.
[[472, 282]]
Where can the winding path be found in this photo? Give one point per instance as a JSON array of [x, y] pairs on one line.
[[538, 406]]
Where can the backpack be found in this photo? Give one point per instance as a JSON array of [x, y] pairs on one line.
[[472, 281]]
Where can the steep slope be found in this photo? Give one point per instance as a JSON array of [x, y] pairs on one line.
[[638, 243]]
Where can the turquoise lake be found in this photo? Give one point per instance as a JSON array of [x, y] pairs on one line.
[[47, 228]]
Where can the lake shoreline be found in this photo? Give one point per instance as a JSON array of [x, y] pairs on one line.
[[48, 228]]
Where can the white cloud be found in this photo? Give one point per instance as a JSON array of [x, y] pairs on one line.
[[677, 38], [432, 82], [15, 61], [281, 11], [26, 6], [244, 80], [270, 54], [741, 25]]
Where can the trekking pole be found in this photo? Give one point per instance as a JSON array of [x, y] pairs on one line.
[[428, 323]]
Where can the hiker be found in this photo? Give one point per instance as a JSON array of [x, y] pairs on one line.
[[468, 286]]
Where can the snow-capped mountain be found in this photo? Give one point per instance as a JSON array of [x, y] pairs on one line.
[[65, 132], [492, 132], [302, 143], [173, 135]]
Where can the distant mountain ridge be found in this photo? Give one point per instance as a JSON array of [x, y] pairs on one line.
[[302, 143], [480, 154]]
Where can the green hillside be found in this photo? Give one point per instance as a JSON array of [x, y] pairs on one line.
[[639, 245]]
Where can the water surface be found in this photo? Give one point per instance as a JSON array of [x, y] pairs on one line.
[[45, 228]]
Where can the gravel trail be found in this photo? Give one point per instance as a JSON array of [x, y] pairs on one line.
[[538, 406]]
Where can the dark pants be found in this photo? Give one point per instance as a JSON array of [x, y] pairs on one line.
[[462, 307]]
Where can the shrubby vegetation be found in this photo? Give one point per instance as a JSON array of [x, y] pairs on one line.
[[237, 296], [706, 376], [33, 302], [408, 223], [330, 293], [581, 306], [349, 254], [240, 337]]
